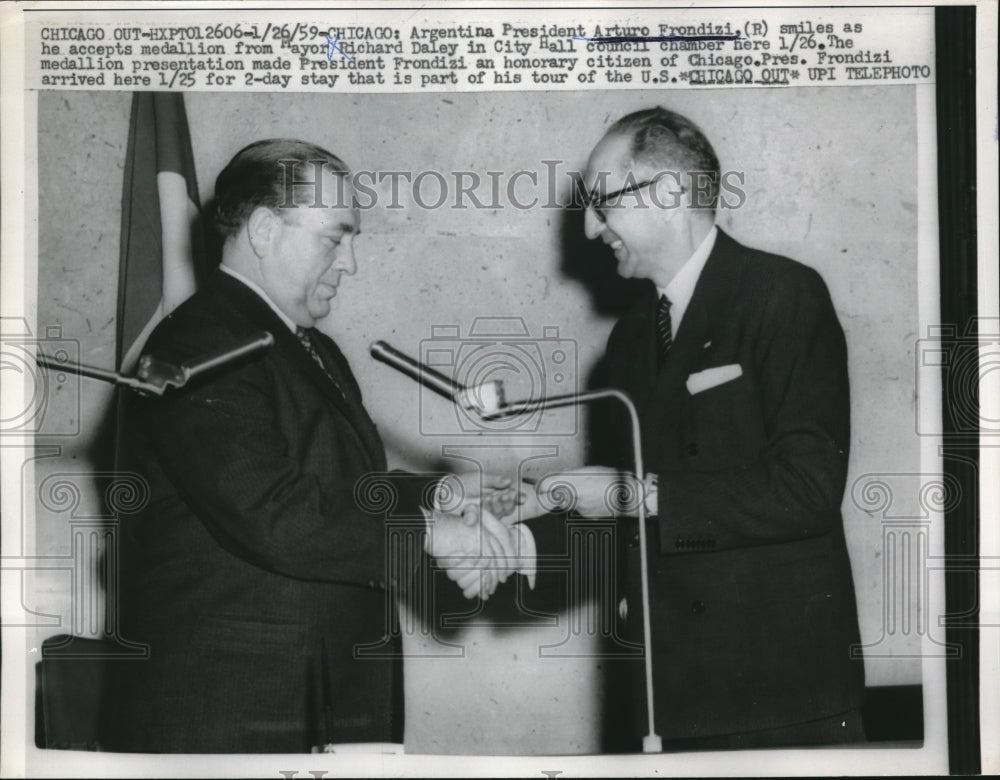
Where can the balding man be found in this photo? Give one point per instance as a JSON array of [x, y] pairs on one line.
[[738, 366]]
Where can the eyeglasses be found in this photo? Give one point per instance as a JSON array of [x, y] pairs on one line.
[[601, 203]]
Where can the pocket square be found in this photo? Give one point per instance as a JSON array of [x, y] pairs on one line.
[[713, 377]]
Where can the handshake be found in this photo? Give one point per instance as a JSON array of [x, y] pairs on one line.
[[475, 533]]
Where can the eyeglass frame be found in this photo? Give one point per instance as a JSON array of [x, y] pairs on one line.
[[597, 204]]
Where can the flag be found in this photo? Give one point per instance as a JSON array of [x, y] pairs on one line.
[[162, 247]]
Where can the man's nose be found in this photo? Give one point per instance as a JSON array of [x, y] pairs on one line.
[[345, 262], [592, 225]]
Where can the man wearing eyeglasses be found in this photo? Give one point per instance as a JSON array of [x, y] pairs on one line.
[[737, 364]]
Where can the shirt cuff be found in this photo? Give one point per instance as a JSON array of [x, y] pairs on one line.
[[427, 529], [651, 497], [527, 553]]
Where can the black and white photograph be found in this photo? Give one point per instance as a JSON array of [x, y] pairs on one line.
[[411, 393]]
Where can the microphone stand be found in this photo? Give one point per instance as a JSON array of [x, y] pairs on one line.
[[489, 404], [154, 377]]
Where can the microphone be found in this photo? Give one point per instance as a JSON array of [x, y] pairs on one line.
[[426, 375], [154, 376], [487, 400]]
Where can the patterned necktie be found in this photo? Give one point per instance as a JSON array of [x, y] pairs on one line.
[[306, 339], [664, 328]]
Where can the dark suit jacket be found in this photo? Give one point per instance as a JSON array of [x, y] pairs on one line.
[[254, 571], [753, 607]]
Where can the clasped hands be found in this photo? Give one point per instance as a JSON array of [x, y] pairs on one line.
[[474, 529], [472, 532]]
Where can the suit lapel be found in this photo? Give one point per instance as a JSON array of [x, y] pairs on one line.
[[711, 304], [644, 363], [295, 350], [288, 346], [684, 353], [664, 401], [340, 369]]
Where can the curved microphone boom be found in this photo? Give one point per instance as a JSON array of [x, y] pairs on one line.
[[488, 402], [154, 376]]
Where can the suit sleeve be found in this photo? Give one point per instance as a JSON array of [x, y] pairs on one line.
[[794, 487], [225, 449]]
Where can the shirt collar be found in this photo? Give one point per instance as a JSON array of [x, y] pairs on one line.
[[681, 287], [263, 296]]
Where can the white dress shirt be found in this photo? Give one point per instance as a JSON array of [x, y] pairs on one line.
[[681, 287], [263, 296]]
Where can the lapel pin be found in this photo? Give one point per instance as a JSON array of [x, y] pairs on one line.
[[707, 345]]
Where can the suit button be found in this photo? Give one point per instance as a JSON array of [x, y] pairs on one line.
[[634, 541], [692, 449], [697, 607]]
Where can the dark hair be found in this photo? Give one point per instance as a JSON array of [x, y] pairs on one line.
[[673, 142], [267, 173]]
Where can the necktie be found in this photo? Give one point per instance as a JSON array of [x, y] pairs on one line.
[[306, 339], [664, 328]]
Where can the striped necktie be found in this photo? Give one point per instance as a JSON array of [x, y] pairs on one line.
[[664, 328], [306, 339]]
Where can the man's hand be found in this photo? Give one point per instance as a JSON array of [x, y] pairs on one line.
[[457, 492], [592, 491], [475, 548], [529, 504]]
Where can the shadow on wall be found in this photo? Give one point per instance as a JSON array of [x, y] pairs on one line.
[[592, 264], [213, 241]]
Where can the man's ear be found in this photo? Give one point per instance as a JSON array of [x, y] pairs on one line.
[[671, 194], [261, 227]]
